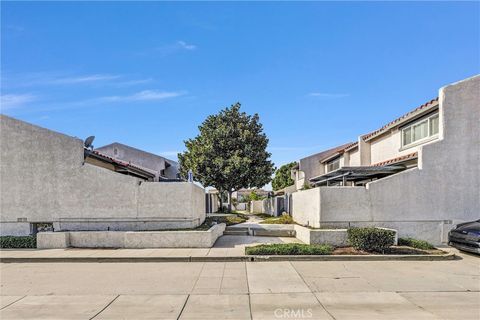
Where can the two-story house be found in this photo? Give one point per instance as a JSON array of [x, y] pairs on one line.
[[388, 150]]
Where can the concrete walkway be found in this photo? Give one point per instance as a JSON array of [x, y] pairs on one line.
[[242, 290], [226, 246]]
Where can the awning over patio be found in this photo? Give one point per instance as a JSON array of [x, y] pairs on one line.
[[356, 174]]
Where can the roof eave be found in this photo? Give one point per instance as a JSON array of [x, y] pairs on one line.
[[412, 115]]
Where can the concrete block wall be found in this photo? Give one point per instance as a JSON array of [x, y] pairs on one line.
[[257, 206], [306, 207], [44, 180]]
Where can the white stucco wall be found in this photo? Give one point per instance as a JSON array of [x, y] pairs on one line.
[[354, 156], [423, 202], [44, 179], [257, 206], [299, 179], [306, 207], [388, 146]]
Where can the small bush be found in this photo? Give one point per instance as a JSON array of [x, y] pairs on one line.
[[285, 219], [289, 249], [414, 243], [262, 215], [12, 242], [228, 220], [371, 239]]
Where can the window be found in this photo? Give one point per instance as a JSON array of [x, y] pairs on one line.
[[333, 165], [421, 130], [434, 125]]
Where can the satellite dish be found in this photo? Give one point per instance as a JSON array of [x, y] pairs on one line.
[[88, 142]]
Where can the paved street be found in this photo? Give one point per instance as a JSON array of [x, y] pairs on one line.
[[243, 290]]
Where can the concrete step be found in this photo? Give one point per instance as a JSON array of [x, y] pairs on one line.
[[258, 231], [273, 233], [236, 232]]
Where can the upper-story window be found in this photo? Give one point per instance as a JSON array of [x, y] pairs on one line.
[[333, 165], [421, 130]]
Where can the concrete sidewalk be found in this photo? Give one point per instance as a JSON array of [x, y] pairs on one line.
[[226, 246], [242, 290]]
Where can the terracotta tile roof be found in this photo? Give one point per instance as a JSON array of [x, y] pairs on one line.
[[351, 146], [326, 155], [122, 163], [398, 120], [409, 156]]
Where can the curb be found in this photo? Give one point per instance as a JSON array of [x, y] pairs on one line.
[[411, 257]]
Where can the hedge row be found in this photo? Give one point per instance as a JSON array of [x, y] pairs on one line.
[[414, 243], [371, 239], [289, 249], [12, 242]]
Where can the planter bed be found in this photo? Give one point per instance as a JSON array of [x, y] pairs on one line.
[[295, 249], [191, 238], [403, 250]]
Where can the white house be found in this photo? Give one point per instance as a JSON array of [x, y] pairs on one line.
[[419, 173]]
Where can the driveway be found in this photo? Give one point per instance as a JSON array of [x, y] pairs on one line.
[[243, 290]]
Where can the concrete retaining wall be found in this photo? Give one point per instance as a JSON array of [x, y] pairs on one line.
[[334, 237], [130, 239], [423, 202], [45, 180]]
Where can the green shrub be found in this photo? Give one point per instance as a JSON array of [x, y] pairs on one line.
[[371, 239], [414, 243], [228, 220], [289, 249], [12, 242], [262, 215], [306, 186], [284, 219]]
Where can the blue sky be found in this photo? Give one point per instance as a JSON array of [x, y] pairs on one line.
[[147, 74]]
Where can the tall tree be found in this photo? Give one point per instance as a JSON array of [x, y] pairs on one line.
[[283, 176], [229, 153]]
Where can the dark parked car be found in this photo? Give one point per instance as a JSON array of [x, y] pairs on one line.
[[466, 237]]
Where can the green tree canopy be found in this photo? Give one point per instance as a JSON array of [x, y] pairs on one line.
[[229, 153], [252, 196], [283, 177]]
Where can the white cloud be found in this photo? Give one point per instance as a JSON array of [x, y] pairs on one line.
[[171, 48], [145, 95], [328, 95], [186, 46], [82, 79], [127, 83], [12, 101], [58, 79]]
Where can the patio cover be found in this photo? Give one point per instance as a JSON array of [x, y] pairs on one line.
[[361, 173]]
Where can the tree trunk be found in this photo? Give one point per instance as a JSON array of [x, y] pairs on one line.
[[220, 196], [230, 201]]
